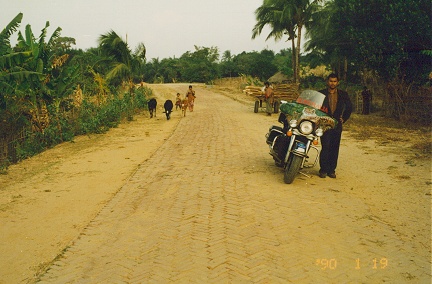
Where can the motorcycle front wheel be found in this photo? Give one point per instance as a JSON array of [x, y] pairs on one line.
[[292, 168]]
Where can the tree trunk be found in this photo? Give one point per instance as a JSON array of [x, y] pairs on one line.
[[297, 54], [293, 55], [345, 69]]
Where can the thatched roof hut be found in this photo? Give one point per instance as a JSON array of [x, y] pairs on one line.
[[280, 78]]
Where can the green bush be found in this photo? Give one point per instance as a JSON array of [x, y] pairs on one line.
[[91, 119], [141, 95], [32, 145]]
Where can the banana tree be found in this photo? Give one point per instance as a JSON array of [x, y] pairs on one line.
[[33, 74], [39, 94], [14, 78]]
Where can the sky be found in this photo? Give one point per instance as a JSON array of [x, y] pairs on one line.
[[168, 28]]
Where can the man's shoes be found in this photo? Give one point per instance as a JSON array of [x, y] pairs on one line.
[[332, 175], [322, 175]]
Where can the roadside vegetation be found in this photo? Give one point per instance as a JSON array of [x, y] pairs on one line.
[[50, 92]]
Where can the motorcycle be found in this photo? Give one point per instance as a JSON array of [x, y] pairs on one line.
[[303, 123]]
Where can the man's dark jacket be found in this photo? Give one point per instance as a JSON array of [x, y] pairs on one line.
[[343, 107]]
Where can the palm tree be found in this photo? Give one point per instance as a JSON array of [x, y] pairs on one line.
[[140, 52], [326, 38], [227, 65], [124, 63], [285, 17], [139, 60], [273, 13], [118, 52]]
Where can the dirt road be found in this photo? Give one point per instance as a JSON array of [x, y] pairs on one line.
[[198, 199]]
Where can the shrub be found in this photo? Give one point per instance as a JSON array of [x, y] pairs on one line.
[[90, 118]]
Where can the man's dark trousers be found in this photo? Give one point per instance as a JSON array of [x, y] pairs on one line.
[[330, 143]]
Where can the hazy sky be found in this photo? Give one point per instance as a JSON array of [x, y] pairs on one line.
[[168, 28]]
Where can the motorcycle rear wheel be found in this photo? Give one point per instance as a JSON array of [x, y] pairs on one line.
[[292, 168]]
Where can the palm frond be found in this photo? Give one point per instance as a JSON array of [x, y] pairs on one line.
[[278, 16], [54, 37], [21, 75], [29, 37], [41, 46], [65, 86], [113, 45], [6, 87], [8, 31], [12, 59], [43, 34], [120, 70], [140, 51]]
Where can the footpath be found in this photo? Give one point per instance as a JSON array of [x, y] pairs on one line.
[[210, 207]]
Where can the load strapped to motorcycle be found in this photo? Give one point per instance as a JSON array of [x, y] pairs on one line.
[[303, 123]]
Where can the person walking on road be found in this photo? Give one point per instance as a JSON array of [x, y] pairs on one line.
[[336, 104], [190, 95], [178, 101], [268, 93]]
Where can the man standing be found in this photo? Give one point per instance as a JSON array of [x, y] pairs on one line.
[[268, 93], [337, 105], [367, 98]]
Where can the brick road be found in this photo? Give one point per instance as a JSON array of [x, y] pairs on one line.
[[210, 207]]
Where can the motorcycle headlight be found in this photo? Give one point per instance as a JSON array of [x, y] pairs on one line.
[[319, 132], [306, 127], [293, 123]]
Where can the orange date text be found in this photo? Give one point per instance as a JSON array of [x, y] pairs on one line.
[[374, 263]]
